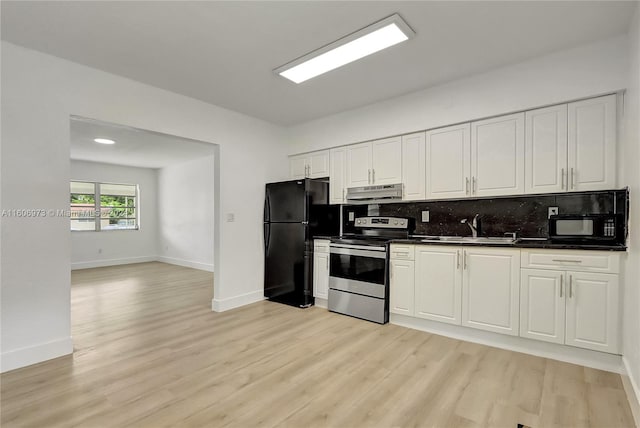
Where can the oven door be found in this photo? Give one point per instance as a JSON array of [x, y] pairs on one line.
[[358, 269]]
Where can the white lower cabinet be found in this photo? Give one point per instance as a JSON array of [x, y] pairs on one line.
[[491, 289], [575, 307], [592, 311], [321, 269], [401, 279], [401, 293], [438, 283], [485, 288], [542, 305]]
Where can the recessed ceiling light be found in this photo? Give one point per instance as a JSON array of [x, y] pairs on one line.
[[103, 141], [383, 34]]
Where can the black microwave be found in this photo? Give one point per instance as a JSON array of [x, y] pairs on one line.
[[587, 227]]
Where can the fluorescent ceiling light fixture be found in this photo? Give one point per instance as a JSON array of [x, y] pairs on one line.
[[381, 35], [103, 141]]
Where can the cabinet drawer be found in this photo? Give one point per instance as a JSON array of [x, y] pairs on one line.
[[575, 260], [320, 245], [402, 252]]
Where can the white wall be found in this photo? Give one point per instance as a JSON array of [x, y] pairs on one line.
[[39, 94], [589, 70], [112, 247], [186, 213], [631, 170]]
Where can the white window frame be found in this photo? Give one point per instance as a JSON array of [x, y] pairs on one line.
[[98, 209]]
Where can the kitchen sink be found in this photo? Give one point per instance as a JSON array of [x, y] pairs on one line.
[[500, 240]]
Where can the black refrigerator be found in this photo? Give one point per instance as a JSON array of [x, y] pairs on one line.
[[294, 213]]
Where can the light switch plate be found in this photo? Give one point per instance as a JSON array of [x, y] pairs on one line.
[[552, 211], [425, 216]]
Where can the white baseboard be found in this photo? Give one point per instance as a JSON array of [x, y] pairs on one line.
[[23, 357], [321, 303], [569, 354], [632, 388], [221, 305], [186, 263], [112, 262]]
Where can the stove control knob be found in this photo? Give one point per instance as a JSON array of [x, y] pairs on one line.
[[358, 221], [395, 222]]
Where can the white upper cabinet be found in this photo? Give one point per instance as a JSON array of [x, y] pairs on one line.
[[497, 156], [448, 162], [337, 175], [386, 156], [413, 166], [309, 165], [438, 283], [546, 150], [592, 144], [298, 166], [359, 165], [491, 289]]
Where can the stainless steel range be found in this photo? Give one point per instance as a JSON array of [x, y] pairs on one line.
[[358, 280]]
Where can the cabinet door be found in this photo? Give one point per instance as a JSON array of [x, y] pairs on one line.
[[321, 275], [359, 165], [542, 305], [448, 162], [413, 166], [438, 283], [592, 144], [297, 166], [386, 161], [546, 150], [337, 175], [497, 156], [401, 288], [318, 164], [592, 311], [490, 289]]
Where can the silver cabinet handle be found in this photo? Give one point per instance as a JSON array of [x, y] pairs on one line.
[[307, 171], [570, 286], [344, 194], [561, 284], [369, 176], [373, 176], [562, 178], [458, 259], [572, 173], [466, 185], [474, 187], [464, 259], [566, 260], [327, 264]]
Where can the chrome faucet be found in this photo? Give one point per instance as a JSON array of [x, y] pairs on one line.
[[474, 225]]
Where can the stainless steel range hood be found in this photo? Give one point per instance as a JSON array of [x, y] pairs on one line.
[[387, 192]]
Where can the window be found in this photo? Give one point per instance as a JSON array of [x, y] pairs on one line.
[[103, 206]]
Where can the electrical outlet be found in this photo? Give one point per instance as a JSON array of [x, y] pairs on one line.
[[425, 216], [352, 216], [552, 211]]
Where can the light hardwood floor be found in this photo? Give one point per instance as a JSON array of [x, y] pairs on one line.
[[149, 352]]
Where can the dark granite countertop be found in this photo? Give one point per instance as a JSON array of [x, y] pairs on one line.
[[521, 243]]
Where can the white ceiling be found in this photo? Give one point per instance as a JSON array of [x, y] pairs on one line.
[[134, 147], [223, 52]]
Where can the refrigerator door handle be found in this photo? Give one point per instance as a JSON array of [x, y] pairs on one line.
[[267, 236], [267, 208]]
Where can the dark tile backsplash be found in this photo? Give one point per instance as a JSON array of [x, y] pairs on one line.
[[526, 215]]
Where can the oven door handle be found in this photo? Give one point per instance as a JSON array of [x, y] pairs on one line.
[[358, 252]]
